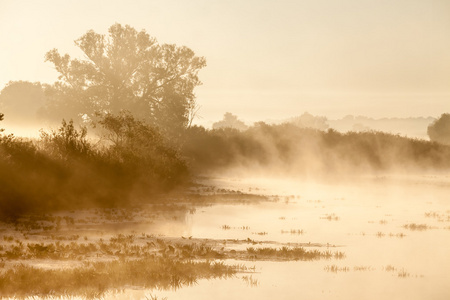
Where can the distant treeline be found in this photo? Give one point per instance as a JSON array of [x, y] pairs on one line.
[[288, 149]]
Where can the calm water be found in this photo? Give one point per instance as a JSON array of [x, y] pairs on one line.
[[366, 219]]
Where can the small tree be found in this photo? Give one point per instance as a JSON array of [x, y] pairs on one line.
[[230, 121], [439, 130], [307, 120]]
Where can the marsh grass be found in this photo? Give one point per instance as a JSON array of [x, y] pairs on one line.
[[224, 196], [417, 227], [390, 268], [293, 231], [151, 297], [287, 253], [331, 217], [403, 274], [94, 279], [363, 268], [380, 234], [398, 235], [250, 281], [260, 233], [336, 269], [440, 217]]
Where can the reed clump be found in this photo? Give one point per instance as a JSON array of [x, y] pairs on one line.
[[94, 279], [287, 253]]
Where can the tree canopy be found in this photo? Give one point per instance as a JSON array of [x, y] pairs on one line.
[[22, 101], [126, 69], [230, 121], [307, 120], [439, 130]]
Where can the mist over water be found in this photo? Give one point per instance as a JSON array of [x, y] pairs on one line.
[[223, 150], [369, 220]]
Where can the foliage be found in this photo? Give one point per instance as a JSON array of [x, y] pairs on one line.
[[439, 130], [288, 149], [64, 170], [141, 149], [28, 179], [230, 121], [22, 101], [66, 142], [126, 69]]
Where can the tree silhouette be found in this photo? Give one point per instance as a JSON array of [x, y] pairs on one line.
[[439, 130], [307, 120], [1, 119], [126, 70], [230, 121], [22, 101]]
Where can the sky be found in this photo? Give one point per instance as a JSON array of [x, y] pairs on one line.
[[265, 59]]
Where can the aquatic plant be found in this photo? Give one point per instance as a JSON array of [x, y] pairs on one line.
[[97, 278], [293, 231], [250, 281], [335, 269], [403, 274], [363, 268], [414, 226], [390, 268], [287, 253], [331, 217]]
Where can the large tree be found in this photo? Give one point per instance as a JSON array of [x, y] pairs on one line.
[[126, 69]]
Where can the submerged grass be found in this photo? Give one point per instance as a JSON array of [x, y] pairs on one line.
[[94, 279]]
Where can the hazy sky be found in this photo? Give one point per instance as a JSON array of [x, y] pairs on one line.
[[266, 59]]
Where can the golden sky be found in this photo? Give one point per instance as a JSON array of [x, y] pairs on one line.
[[266, 59]]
